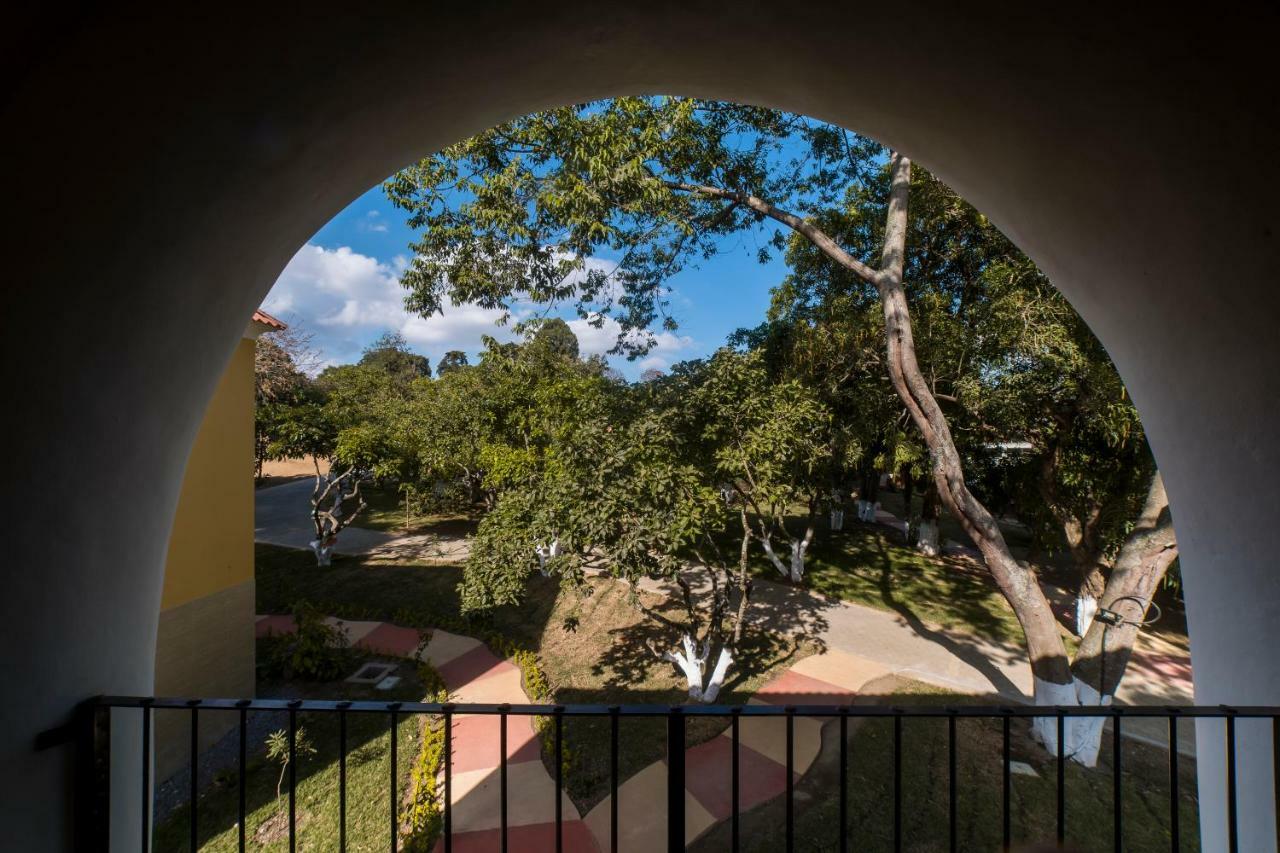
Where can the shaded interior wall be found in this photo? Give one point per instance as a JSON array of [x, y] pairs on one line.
[[205, 641], [162, 167]]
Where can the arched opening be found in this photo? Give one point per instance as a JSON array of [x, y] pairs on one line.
[[1097, 170]]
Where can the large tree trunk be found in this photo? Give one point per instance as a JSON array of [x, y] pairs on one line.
[[1145, 557], [1079, 532], [1019, 585], [1049, 665]]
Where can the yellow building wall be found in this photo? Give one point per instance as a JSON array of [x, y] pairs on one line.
[[211, 547], [205, 643]]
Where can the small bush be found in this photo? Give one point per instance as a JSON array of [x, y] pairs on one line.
[[425, 814], [317, 651]]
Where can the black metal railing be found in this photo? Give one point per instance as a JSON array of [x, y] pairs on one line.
[[93, 733]]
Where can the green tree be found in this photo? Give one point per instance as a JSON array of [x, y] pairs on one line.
[[556, 339], [519, 211], [452, 360], [612, 491], [390, 354]]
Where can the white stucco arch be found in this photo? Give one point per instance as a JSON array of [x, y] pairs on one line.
[[160, 172]]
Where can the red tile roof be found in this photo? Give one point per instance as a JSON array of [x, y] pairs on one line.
[[266, 319]]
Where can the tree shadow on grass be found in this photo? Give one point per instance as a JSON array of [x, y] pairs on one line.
[[959, 595]]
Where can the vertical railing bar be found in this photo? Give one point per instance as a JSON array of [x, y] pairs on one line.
[[293, 775], [1117, 785], [448, 778], [242, 784], [559, 717], [1006, 793], [146, 777], [91, 798], [952, 827], [791, 769], [195, 771], [342, 777], [1175, 839], [735, 836], [394, 708], [844, 780], [1275, 773], [897, 780], [613, 778], [502, 773], [1062, 778], [675, 780], [1233, 841]]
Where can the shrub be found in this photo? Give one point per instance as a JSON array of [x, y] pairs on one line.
[[424, 815], [317, 651]]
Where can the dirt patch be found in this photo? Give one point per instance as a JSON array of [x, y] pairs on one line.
[[276, 827]]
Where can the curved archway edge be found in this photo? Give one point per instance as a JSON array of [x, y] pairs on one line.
[[161, 172]]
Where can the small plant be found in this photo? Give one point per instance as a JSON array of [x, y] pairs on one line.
[[278, 751], [317, 651], [425, 816]]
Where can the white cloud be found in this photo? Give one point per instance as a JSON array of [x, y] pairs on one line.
[[347, 299], [598, 341]]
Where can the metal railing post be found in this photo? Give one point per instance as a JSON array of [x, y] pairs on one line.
[[675, 780], [92, 796]]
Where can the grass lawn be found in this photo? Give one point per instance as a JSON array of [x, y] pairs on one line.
[[368, 769], [925, 790], [590, 646], [385, 511], [865, 564]]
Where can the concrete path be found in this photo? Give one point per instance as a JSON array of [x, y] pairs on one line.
[[282, 517], [473, 673]]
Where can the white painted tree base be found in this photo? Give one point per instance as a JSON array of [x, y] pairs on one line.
[[546, 553], [927, 538], [324, 553], [1086, 609], [1081, 736]]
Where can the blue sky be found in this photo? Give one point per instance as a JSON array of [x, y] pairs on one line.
[[343, 288]]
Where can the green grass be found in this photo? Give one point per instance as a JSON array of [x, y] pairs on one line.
[[386, 512], [925, 791], [864, 565], [368, 769]]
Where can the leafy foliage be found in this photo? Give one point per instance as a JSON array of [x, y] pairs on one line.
[[316, 651]]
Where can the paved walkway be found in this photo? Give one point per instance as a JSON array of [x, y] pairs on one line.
[[833, 678], [473, 673], [282, 517]]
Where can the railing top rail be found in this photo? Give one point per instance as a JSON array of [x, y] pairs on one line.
[[651, 710]]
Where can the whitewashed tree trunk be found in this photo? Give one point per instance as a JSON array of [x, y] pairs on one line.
[[867, 511], [716, 681], [323, 551], [927, 539], [1086, 609], [690, 664], [798, 549], [767, 544], [546, 553], [1081, 736], [837, 519]]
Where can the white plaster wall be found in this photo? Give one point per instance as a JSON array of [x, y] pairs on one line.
[[160, 171]]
